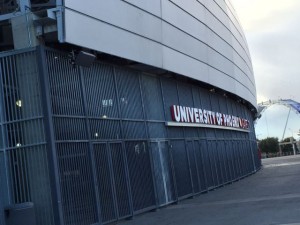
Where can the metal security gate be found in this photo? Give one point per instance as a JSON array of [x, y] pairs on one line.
[[140, 175], [163, 173], [181, 169], [124, 178], [24, 158], [199, 153], [207, 163], [193, 166], [78, 195], [112, 181]]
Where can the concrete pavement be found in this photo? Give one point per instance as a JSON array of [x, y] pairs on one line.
[[269, 197]]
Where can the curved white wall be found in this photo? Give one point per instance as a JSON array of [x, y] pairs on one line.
[[201, 39]]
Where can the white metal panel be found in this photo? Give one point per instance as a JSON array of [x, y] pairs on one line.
[[120, 14], [103, 37], [153, 6], [188, 18], [184, 43], [232, 14], [184, 21], [191, 7], [175, 61], [198, 39], [222, 64], [227, 33], [245, 94], [223, 18], [247, 69], [221, 80]]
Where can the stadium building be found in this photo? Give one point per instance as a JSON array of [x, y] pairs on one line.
[[113, 108]]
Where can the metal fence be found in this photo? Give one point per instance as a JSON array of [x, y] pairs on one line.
[[23, 144], [95, 140]]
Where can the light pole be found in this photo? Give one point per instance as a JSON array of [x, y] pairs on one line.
[[292, 140]]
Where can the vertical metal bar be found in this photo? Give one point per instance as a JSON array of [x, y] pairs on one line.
[[148, 143], [235, 147], [91, 150], [252, 156], [196, 164], [112, 180], [194, 153], [226, 161], [143, 106], [222, 149], [220, 162], [239, 158], [22, 170], [208, 145], [203, 166], [173, 170], [150, 150], [14, 84], [207, 151], [50, 138], [233, 162], [239, 147], [186, 147], [216, 154], [129, 192], [4, 137], [8, 86], [227, 145], [118, 103], [189, 162], [60, 20], [123, 148], [163, 99], [13, 175], [201, 147]]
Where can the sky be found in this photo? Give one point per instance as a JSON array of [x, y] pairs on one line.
[[278, 121], [272, 30]]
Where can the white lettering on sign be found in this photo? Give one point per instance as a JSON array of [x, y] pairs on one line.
[[183, 114]]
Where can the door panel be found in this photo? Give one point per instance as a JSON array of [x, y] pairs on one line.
[[112, 181], [193, 166], [105, 182], [163, 174]]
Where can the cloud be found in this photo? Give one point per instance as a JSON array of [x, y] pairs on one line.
[[272, 32], [258, 15], [275, 57]]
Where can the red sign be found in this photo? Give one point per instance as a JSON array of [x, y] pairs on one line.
[[183, 114]]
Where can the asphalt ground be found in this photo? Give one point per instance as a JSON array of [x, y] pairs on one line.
[[269, 197]]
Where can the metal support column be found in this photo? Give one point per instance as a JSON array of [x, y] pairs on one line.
[[50, 138], [5, 195], [91, 150]]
